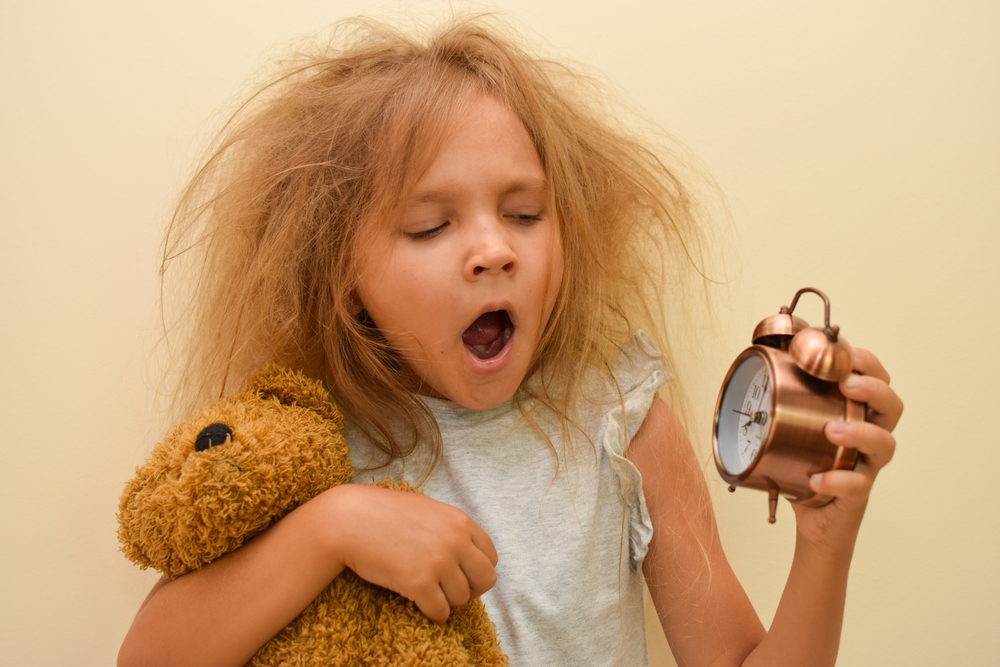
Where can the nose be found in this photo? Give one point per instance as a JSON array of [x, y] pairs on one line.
[[491, 252]]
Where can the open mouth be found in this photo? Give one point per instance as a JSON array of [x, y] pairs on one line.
[[488, 335]]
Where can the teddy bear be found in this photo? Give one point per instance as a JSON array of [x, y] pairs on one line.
[[226, 474]]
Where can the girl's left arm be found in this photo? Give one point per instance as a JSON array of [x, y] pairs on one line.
[[704, 611]]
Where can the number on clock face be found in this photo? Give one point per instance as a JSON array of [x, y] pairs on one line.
[[754, 415]]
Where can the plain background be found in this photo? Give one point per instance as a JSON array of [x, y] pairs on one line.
[[856, 144]]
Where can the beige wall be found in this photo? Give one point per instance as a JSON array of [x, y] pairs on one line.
[[857, 144]]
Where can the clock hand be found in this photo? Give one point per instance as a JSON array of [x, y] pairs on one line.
[[745, 425], [759, 417]]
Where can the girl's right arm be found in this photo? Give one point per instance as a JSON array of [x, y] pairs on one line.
[[223, 613], [705, 613]]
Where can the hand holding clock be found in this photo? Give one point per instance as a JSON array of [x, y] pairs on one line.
[[791, 408], [872, 438]]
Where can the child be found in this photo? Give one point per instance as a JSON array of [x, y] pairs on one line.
[[465, 254]]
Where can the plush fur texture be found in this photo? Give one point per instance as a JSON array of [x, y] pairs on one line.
[[245, 461]]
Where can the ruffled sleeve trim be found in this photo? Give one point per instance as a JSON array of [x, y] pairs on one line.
[[640, 370]]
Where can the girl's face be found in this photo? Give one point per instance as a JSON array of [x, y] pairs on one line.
[[463, 283]]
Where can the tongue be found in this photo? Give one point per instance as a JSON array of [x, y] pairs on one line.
[[484, 330], [488, 334]]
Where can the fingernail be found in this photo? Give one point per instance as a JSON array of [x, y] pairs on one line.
[[837, 427], [853, 381], [816, 480]]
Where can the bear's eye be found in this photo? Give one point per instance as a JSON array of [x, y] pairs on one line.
[[212, 435]]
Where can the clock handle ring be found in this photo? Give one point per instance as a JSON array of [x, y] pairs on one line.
[[830, 331]]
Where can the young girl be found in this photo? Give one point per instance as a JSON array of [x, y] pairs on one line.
[[465, 254]]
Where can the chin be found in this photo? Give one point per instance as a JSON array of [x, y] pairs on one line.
[[485, 398]]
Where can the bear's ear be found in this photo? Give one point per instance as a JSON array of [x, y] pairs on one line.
[[290, 387]]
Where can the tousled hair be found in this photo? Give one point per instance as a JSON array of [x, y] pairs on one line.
[[269, 224]]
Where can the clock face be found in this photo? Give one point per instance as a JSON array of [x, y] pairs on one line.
[[744, 414]]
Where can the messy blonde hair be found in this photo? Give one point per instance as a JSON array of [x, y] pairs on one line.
[[332, 143]]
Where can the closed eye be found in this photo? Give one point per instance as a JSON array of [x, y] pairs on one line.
[[427, 233], [525, 219]]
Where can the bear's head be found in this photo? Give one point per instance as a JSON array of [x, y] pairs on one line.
[[231, 471]]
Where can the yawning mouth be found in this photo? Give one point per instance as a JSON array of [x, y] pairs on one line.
[[488, 334]]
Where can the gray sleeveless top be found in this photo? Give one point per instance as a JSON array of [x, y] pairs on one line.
[[571, 537]]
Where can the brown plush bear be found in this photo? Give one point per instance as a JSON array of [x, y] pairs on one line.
[[240, 465]]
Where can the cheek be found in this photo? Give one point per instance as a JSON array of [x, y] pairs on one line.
[[375, 285], [397, 292]]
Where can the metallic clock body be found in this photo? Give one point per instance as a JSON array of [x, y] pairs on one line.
[[773, 440]]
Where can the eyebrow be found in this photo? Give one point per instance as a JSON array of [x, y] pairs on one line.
[[515, 187]]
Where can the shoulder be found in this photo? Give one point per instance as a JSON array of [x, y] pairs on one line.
[[623, 392], [661, 441], [639, 363]]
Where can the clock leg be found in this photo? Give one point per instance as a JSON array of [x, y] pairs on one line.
[[772, 503]]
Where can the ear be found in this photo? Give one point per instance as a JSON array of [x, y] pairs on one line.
[[290, 387]]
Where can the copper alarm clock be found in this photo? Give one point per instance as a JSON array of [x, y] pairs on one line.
[[774, 403]]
